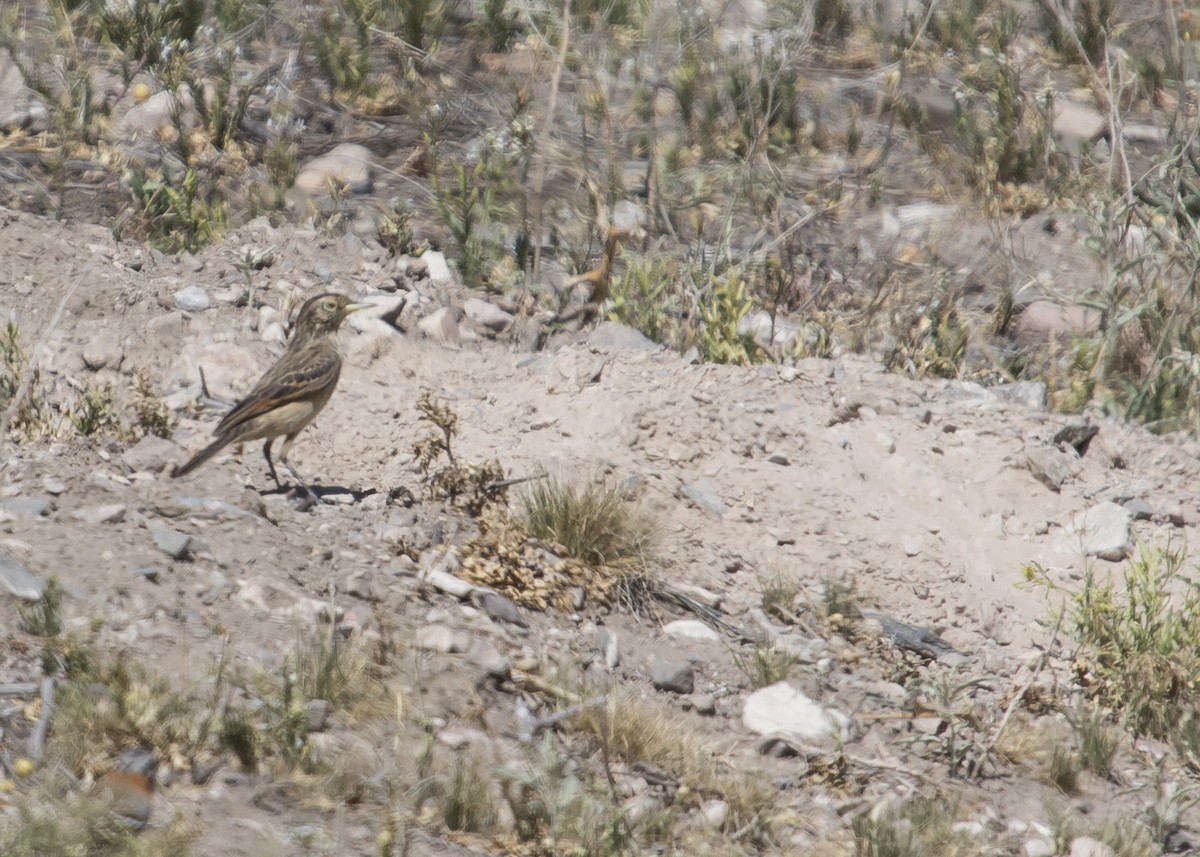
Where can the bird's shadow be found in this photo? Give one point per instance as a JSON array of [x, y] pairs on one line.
[[320, 491]]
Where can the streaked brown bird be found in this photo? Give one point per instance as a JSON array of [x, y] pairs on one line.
[[292, 392]]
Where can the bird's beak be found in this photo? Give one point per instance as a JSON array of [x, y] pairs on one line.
[[356, 307]]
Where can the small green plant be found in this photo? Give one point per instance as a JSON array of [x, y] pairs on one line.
[[394, 230], [340, 36], [935, 343], [721, 312], [151, 416], [421, 22], [32, 415], [93, 411], [499, 25], [178, 214], [470, 207], [44, 618], [1140, 654], [766, 664], [143, 33], [647, 298]]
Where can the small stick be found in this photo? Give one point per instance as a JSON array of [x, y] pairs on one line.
[[21, 688], [37, 741]]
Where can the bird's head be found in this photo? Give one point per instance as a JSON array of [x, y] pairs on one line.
[[323, 314]]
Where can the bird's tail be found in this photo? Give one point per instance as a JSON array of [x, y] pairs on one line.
[[200, 457]]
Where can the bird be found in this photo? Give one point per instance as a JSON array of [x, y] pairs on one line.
[[128, 788], [291, 393]]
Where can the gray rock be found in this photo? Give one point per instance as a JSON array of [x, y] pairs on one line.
[[30, 507], [1031, 394], [672, 676], [488, 658], [781, 708], [1139, 509], [146, 119], [19, 581], [103, 351], [441, 638], [1086, 846], [690, 629], [360, 586], [704, 703], [609, 646], [441, 325], [109, 513], [192, 299], [611, 336], [54, 486], [170, 541], [487, 315], [806, 650], [19, 106], [317, 715], [704, 494], [779, 458], [151, 573], [347, 164], [1049, 466], [1102, 531], [500, 609], [151, 454]]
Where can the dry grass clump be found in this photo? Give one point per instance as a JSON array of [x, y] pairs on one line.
[[637, 730], [596, 523]]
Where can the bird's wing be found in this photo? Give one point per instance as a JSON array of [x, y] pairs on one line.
[[297, 376]]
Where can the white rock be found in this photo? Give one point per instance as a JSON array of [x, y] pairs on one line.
[[439, 270], [1037, 848], [192, 299], [715, 813], [783, 708], [1101, 531], [347, 164], [1086, 846], [691, 629]]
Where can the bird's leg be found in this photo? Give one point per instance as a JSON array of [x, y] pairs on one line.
[[270, 465], [283, 454]]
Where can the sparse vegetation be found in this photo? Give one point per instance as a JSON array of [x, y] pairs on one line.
[[594, 521], [1138, 643]]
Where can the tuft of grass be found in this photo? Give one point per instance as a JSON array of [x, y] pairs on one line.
[[1097, 739], [329, 667], [593, 522], [839, 598], [151, 415], [467, 803], [50, 821], [638, 730], [779, 593], [765, 665], [921, 826]]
